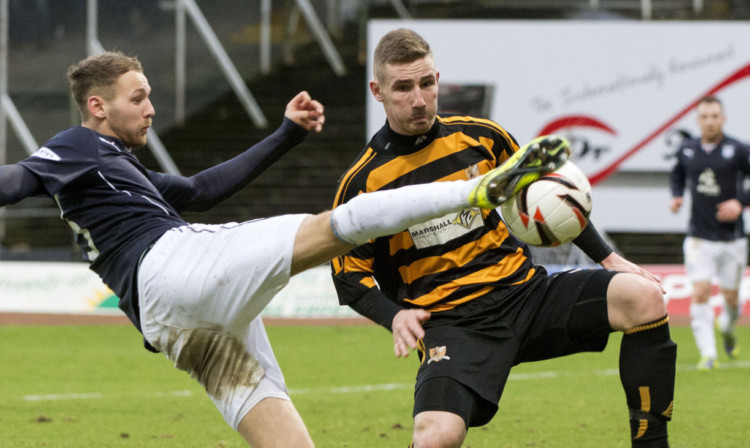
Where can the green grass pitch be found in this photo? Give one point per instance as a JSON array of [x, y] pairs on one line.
[[94, 386]]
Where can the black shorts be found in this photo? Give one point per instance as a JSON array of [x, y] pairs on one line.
[[467, 352]]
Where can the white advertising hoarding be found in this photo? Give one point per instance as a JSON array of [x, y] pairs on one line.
[[71, 288], [619, 90]]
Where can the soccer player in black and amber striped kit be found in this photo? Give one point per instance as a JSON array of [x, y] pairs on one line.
[[465, 293]]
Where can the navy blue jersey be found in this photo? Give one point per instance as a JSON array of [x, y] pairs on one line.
[[108, 198], [712, 176], [117, 207]]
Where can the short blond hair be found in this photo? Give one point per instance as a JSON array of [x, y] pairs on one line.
[[400, 46], [97, 75]]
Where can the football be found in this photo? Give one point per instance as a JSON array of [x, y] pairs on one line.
[[551, 211]]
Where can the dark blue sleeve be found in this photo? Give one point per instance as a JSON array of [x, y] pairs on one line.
[[375, 306], [209, 187], [66, 157], [677, 177], [16, 183], [743, 194]]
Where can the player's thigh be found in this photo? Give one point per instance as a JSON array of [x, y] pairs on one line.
[[315, 243], [274, 423], [216, 276], [440, 401], [732, 262], [571, 315], [464, 369], [701, 259]]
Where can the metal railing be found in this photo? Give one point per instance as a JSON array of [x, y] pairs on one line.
[[184, 10]]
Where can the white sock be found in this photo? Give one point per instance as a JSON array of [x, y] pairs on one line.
[[386, 212], [702, 323], [727, 318]]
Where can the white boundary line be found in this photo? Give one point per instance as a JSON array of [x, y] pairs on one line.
[[729, 365]]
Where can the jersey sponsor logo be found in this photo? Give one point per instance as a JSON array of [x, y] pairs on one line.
[[437, 354], [707, 183], [46, 153], [446, 228]]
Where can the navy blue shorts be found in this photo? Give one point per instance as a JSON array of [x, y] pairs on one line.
[[467, 352]]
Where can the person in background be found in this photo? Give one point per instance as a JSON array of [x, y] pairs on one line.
[[713, 167]]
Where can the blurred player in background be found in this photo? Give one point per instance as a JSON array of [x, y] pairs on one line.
[[196, 291], [713, 166], [464, 292]]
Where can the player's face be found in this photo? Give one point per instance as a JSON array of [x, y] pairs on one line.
[[710, 120], [129, 113], [409, 95]]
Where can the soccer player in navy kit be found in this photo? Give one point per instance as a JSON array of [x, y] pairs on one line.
[[713, 166], [196, 291]]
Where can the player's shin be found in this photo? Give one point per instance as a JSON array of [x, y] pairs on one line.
[[647, 373], [386, 212]]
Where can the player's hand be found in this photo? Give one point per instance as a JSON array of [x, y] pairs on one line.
[[407, 330], [615, 262], [675, 205], [729, 210], [306, 112]]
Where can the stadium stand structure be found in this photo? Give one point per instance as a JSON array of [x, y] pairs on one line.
[[217, 127]]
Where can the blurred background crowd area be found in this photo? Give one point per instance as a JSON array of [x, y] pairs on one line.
[[315, 45]]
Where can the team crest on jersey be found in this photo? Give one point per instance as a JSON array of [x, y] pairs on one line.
[[472, 171], [437, 354], [46, 153], [465, 218], [727, 151]]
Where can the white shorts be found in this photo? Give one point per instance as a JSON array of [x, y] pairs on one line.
[[201, 290], [724, 261]]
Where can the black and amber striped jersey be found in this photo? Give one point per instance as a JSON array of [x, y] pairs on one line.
[[447, 261]]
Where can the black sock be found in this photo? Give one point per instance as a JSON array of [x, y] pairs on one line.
[[647, 371]]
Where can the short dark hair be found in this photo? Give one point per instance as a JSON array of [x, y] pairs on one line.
[[710, 100], [97, 74], [399, 46]]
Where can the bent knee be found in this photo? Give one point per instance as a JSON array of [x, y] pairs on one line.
[[634, 300], [438, 430]]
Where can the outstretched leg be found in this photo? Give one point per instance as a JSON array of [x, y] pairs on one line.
[[330, 234]]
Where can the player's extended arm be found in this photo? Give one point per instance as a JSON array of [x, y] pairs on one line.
[[615, 262], [213, 185], [16, 183], [592, 243]]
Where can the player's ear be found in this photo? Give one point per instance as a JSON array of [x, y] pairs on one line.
[[375, 89], [96, 107]]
